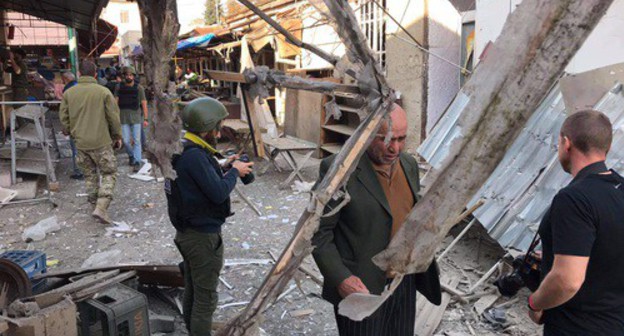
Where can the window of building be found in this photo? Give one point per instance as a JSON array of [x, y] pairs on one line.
[[124, 16], [373, 25]]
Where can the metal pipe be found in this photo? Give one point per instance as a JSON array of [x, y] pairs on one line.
[[486, 275], [456, 240]]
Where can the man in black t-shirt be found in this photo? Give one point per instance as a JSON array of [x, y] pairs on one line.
[[582, 289]]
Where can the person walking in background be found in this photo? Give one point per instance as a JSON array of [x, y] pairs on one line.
[[69, 80], [133, 106], [90, 115]]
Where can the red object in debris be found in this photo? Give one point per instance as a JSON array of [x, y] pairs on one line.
[[11, 32]]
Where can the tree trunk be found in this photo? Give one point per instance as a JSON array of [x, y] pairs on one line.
[[159, 21], [536, 44]]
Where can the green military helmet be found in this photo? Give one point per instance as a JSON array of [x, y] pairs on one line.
[[203, 115], [128, 69]]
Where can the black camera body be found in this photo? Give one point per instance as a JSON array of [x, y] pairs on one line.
[[526, 273], [249, 178]]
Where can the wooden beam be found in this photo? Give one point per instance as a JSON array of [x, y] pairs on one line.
[[287, 81], [252, 120], [537, 42], [226, 76]]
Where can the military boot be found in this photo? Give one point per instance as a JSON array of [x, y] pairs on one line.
[[101, 210]]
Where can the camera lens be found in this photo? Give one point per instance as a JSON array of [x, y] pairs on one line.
[[509, 285]]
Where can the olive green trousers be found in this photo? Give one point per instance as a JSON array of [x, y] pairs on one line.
[[203, 261]]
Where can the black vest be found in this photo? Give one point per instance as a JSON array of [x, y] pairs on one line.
[[176, 207], [128, 96]]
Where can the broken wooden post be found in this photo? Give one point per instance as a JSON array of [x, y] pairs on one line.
[[252, 121], [379, 99], [538, 40], [159, 21]]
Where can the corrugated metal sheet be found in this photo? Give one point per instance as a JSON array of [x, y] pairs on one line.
[[436, 146], [521, 188]]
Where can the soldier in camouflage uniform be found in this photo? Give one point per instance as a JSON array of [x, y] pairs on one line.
[[89, 113]]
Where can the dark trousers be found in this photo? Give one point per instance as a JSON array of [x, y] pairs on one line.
[[203, 260], [395, 317]]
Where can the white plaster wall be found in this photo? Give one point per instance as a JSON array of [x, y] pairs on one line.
[[445, 41], [112, 14], [405, 66], [490, 16], [323, 37], [604, 46]]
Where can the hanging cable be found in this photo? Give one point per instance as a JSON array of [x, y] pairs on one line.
[[414, 42]]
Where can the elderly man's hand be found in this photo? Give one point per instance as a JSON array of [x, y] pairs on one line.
[[352, 285]]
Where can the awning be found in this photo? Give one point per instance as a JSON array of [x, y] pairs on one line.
[[195, 42], [78, 14], [98, 42]]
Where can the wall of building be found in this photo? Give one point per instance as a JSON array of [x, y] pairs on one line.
[[603, 47], [405, 64], [445, 25], [113, 14], [127, 42], [125, 15], [322, 36]]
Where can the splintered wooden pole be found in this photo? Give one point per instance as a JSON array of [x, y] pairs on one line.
[[252, 120], [537, 42], [379, 101], [159, 21]]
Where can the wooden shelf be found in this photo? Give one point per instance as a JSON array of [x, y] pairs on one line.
[[349, 109], [332, 148], [340, 128]]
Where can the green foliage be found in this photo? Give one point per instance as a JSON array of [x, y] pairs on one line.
[[211, 13]]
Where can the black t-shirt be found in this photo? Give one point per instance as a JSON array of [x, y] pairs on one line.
[[586, 218]]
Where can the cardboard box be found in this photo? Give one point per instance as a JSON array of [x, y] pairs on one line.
[[59, 319]]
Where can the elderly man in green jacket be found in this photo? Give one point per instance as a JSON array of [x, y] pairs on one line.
[[89, 113], [383, 188]]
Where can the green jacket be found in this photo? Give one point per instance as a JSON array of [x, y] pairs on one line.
[[346, 242], [91, 115]]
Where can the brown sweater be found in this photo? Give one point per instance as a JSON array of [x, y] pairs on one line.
[[398, 193]]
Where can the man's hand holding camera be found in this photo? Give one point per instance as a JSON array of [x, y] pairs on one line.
[[244, 168]]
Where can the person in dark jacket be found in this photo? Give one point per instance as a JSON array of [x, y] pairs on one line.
[[383, 188], [69, 79], [199, 202], [133, 108]]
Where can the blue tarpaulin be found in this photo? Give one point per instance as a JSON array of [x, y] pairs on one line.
[[194, 42]]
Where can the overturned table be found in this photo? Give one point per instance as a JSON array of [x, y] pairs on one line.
[[285, 146]]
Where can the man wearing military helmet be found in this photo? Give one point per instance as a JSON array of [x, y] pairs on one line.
[[198, 203]]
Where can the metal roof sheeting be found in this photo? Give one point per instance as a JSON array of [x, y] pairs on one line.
[[521, 188]]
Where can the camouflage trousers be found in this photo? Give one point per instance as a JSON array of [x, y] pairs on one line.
[[98, 163]]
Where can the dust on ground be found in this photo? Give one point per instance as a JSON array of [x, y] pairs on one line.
[[246, 235]]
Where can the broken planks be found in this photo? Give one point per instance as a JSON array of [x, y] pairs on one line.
[[428, 315]]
